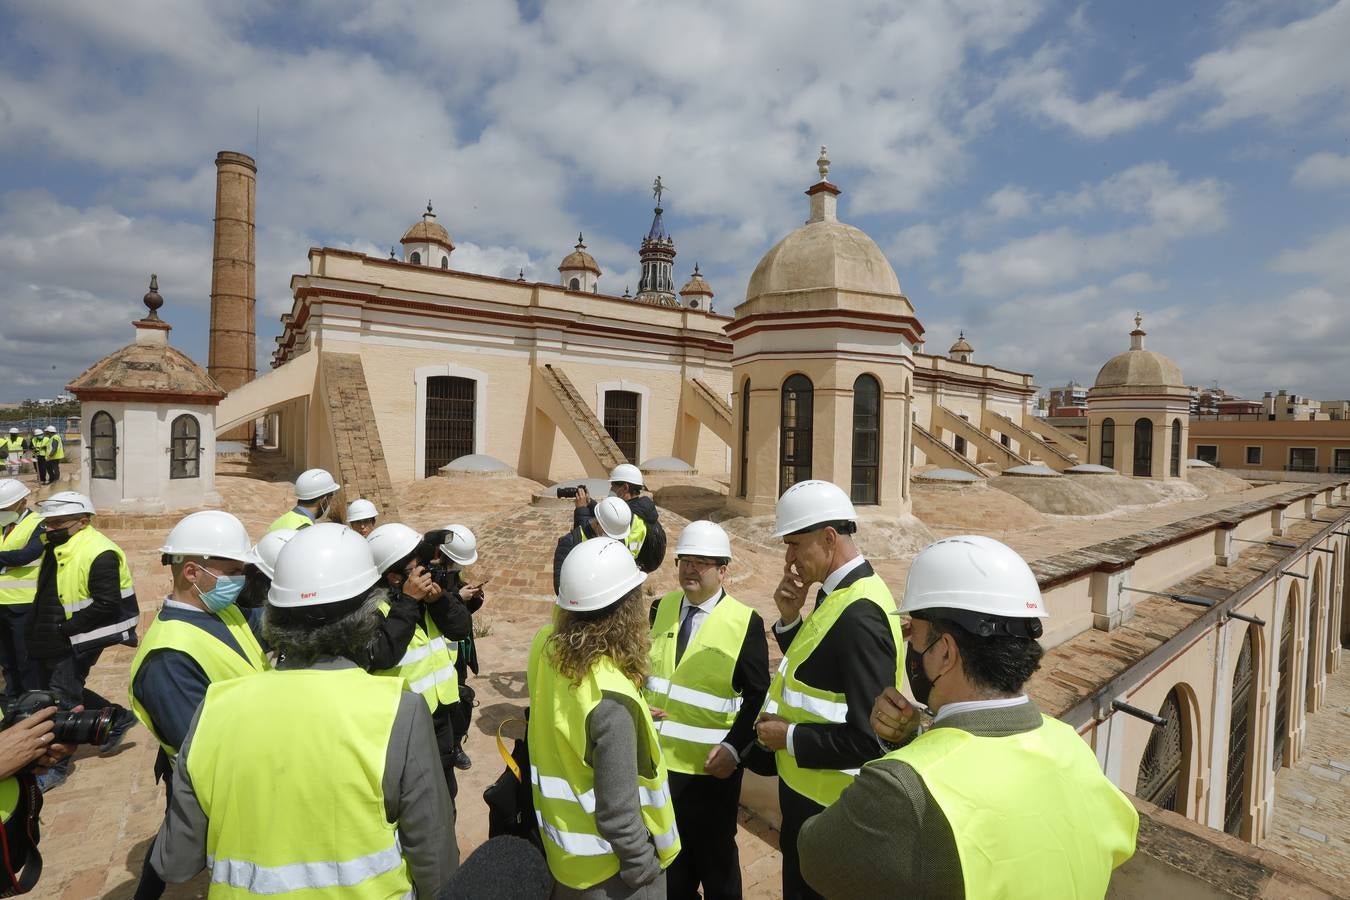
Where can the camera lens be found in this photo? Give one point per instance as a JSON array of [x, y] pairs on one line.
[[89, 727]]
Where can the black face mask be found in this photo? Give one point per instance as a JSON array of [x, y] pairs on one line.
[[57, 536], [920, 685]]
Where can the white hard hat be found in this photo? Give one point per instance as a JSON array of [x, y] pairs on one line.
[[325, 563], [809, 503], [211, 532], [391, 542], [314, 483], [627, 473], [704, 538], [66, 503], [37, 432], [51, 429], [12, 490], [361, 509], [269, 546], [596, 574], [615, 517], [460, 545], [14, 431], [974, 574]]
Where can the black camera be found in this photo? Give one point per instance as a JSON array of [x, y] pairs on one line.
[[567, 493], [91, 726]]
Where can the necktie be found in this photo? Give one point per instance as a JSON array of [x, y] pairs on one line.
[[686, 630]]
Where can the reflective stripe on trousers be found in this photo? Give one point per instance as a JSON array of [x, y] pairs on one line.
[[322, 875]]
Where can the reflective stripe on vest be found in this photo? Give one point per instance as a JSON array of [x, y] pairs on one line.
[[428, 664], [1032, 814], [250, 734], [74, 559], [18, 584], [217, 660], [637, 535], [697, 696], [290, 519], [802, 703], [564, 784]]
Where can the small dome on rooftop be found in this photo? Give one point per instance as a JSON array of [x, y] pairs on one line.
[[1137, 367], [579, 259], [427, 231]]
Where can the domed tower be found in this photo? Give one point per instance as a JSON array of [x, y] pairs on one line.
[[657, 256], [822, 373], [961, 351], [697, 293], [1139, 413], [427, 243], [578, 271]]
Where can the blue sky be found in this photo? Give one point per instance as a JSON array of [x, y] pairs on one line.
[[1036, 171]]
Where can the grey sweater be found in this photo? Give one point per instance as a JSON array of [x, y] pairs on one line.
[[886, 836], [415, 797]]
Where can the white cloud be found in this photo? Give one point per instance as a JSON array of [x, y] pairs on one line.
[[915, 244], [1137, 283], [1323, 170], [1010, 202], [1327, 258]]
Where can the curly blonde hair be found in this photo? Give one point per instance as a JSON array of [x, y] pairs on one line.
[[620, 632]]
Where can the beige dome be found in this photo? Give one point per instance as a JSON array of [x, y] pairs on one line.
[[427, 231], [1139, 367], [579, 259], [826, 254], [961, 346], [696, 285]]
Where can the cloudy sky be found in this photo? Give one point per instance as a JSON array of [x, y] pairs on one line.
[[1035, 170]]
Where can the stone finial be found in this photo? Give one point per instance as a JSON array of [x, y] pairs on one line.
[[581, 241], [429, 212], [1137, 336], [1138, 320], [392, 254], [627, 292], [521, 276], [152, 300], [823, 164], [696, 272]]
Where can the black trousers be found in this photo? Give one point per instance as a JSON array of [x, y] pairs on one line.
[[53, 470], [151, 886], [443, 719], [21, 672], [796, 810], [705, 813]]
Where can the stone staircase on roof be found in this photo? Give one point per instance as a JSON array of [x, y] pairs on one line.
[[954, 423], [1067, 443], [560, 401], [706, 405], [1050, 454], [940, 454], [361, 467]]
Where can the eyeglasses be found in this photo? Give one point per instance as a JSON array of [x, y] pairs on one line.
[[696, 562]]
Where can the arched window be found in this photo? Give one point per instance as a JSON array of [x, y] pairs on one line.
[[1108, 455], [1161, 769], [1284, 683], [1176, 448], [185, 447], [415, 258], [1314, 609], [623, 410], [1143, 448], [449, 421], [745, 438], [1240, 717], [866, 439], [103, 447], [794, 455], [445, 262], [574, 284]]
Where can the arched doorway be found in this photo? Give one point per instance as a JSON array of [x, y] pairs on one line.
[[449, 421], [745, 438], [795, 429], [864, 488], [1239, 738], [1143, 448], [1108, 448], [1175, 463], [1284, 684], [1314, 640], [1162, 768]]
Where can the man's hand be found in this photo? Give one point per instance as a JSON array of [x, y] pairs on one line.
[[894, 718], [471, 592], [790, 595], [771, 732], [720, 763], [657, 713], [583, 496], [25, 741], [55, 753], [420, 587]]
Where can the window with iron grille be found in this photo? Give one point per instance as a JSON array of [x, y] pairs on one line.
[[1340, 461], [1143, 448], [1239, 740], [1160, 770], [103, 447], [795, 422], [1108, 455], [866, 439], [745, 437], [1302, 459], [449, 421], [1284, 686], [1175, 465], [622, 421], [1253, 456], [185, 447]]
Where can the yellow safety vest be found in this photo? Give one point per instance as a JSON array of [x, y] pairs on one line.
[[1032, 814], [18, 584], [564, 783], [217, 660], [13, 444], [637, 534], [696, 694], [73, 561], [288, 766], [428, 665], [40, 447], [9, 798], [55, 450], [291, 519], [802, 703]]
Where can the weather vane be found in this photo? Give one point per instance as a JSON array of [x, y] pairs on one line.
[[657, 189]]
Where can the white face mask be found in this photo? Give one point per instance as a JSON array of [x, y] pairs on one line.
[[8, 517]]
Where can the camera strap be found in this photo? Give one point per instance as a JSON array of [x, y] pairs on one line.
[[25, 826]]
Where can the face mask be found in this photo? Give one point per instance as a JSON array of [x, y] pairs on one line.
[[57, 536], [8, 517], [919, 682], [224, 593]]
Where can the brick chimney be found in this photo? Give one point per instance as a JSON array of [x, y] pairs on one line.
[[231, 361]]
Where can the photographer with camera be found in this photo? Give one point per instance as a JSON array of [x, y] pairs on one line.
[[457, 547], [28, 745], [646, 539], [85, 601], [198, 638]]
